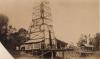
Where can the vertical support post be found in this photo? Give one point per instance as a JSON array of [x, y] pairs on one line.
[[52, 55], [63, 54], [42, 55]]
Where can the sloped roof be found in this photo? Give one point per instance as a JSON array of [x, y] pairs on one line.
[[60, 41], [33, 41], [88, 45]]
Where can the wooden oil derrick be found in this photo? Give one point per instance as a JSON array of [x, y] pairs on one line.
[[41, 27]]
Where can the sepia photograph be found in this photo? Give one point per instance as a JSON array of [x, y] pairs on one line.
[[49, 29]]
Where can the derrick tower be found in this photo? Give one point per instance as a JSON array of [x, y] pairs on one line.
[[41, 26]]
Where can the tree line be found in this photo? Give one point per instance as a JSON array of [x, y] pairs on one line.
[[90, 40], [9, 36]]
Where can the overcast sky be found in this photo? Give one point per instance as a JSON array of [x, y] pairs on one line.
[[70, 17]]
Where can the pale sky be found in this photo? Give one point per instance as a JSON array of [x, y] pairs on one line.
[[70, 17]]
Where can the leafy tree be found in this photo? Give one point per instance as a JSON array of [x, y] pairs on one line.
[[92, 41], [82, 40], [18, 38], [3, 29]]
